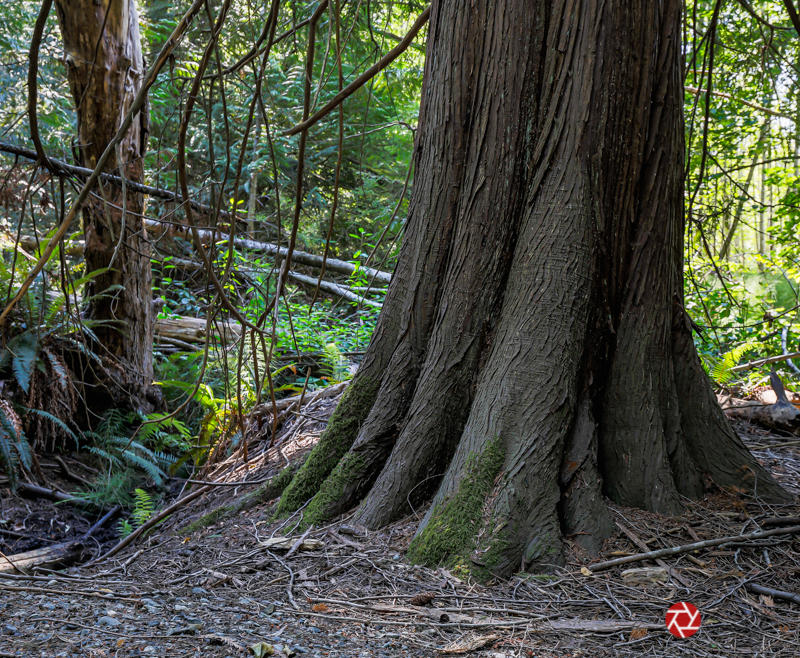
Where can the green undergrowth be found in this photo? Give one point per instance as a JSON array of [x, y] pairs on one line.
[[449, 536], [263, 494], [335, 442]]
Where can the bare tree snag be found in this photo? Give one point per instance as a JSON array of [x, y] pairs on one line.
[[539, 282], [105, 68]]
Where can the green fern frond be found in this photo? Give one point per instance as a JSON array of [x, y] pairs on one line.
[[15, 451], [58, 368], [58, 423], [143, 507], [104, 454], [146, 465], [25, 351], [334, 363], [720, 369]]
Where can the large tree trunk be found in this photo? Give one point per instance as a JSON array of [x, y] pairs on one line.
[[105, 68], [533, 356]]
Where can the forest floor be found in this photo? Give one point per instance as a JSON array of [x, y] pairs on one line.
[[224, 589]]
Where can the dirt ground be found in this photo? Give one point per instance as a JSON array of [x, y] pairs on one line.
[[231, 589]]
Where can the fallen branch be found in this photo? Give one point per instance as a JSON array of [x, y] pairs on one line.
[[152, 522], [685, 548], [193, 330], [59, 167], [766, 361], [34, 490], [639, 543], [50, 556], [774, 593], [332, 288], [780, 520], [782, 415], [302, 257]]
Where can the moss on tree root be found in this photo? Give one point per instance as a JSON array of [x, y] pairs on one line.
[[335, 442], [333, 489], [450, 534]]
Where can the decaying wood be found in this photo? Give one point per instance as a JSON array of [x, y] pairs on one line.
[[639, 543], [782, 415], [325, 286], [332, 288], [301, 257], [57, 555], [685, 548], [49, 556], [193, 330]]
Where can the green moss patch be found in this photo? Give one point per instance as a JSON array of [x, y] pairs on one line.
[[333, 489], [450, 535], [335, 442]]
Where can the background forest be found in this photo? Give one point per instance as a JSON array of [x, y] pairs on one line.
[[341, 194]]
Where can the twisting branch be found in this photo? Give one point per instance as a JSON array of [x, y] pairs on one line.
[[301, 155], [125, 124], [182, 177], [361, 80], [33, 72], [793, 15]]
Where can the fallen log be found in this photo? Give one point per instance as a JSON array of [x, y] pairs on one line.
[[782, 415], [332, 288], [302, 257], [774, 593], [193, 330], [34, 490], [57, 555], [75, 248]]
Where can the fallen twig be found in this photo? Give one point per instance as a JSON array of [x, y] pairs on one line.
[[163, 514], [774, 593], [685, 548]]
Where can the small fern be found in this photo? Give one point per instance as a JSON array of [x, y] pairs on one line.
[[142, 512], [721, 369], [143, 507], [15, 451], [335, 366]]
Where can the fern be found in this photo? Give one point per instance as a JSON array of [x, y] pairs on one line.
[[334, 363], [113, 443], [721, 369], [124, 527], [143, 507], [58, 423], [24, 351], [15, 451]]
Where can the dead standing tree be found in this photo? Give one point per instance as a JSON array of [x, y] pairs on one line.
[[533, 356]]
